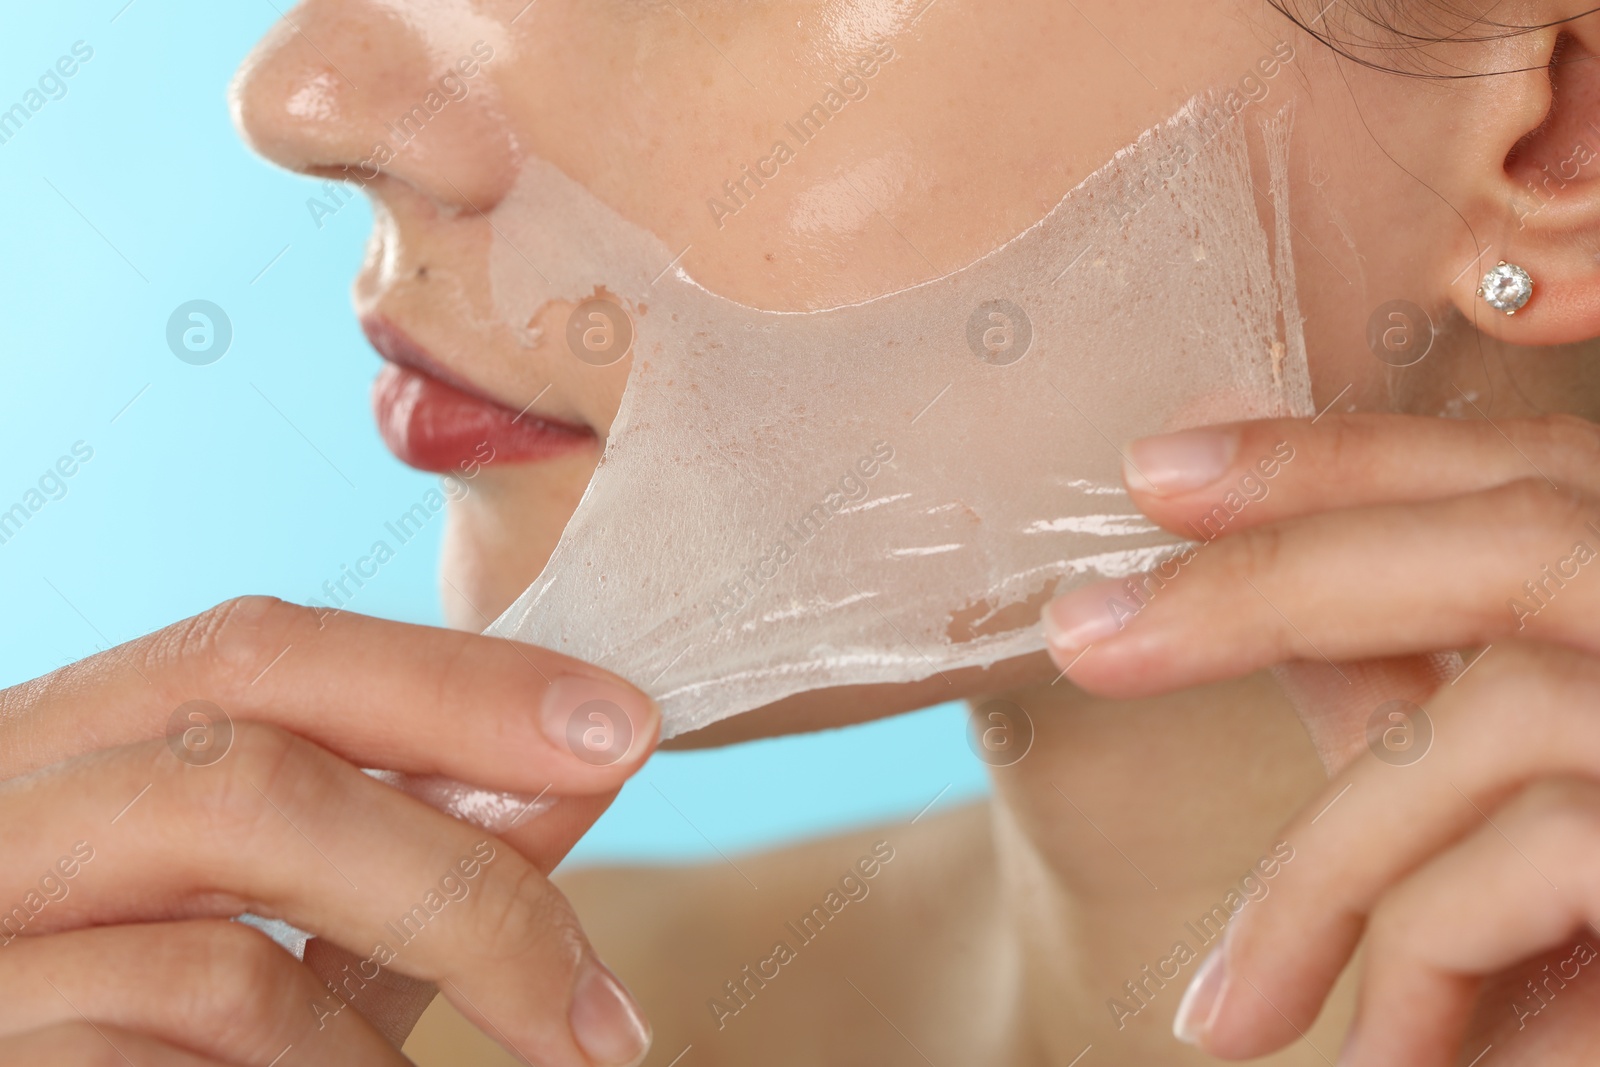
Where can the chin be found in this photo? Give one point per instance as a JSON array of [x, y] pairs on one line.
[[500, 535], [479, 577]]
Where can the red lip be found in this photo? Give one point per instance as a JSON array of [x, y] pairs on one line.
[[435, 420]]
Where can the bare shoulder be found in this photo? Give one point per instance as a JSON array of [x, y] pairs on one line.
[[645, 910], [738, 959], [729, 956]]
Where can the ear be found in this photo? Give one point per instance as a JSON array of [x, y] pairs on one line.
[[1531, 197]]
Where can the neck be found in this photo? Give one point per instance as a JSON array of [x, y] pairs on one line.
[[1122, 839]]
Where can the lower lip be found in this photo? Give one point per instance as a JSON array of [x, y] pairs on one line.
[[435, 427]]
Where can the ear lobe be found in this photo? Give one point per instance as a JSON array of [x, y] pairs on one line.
[[1537, 204]]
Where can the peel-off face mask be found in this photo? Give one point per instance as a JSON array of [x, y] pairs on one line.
[[885, 491]]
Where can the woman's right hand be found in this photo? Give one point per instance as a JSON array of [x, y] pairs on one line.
[[136, 823]]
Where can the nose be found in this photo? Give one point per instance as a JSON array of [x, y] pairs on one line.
[[352, 90]]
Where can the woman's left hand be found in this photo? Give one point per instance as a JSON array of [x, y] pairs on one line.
[[1461, 830]]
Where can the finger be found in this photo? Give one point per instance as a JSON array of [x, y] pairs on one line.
[[1527, 884], [381, 694], [392, 1003], [1352, 584], [281, 828], [219, 989], [1222, 480], [543, 829], [83, 1044], [1520, 716]]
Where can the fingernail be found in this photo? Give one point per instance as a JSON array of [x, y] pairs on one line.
[[598, 721], [1201, 1001], [1084, 616], [607, 1024], [1179, 462]]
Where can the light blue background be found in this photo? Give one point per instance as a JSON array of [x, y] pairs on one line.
[[263, 473]]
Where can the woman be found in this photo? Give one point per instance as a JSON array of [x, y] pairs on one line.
[[1169, 823]]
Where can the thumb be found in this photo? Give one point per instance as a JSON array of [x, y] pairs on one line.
[[1371, 704]]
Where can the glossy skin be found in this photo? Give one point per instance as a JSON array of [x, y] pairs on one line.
[[945, 184], [1001, 934]]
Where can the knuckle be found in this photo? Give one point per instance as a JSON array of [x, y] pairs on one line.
[[1556, 825], [1559, 810], [1251, 555], [1532, 507], [266, 752], [520, 912], [241, 976], [1526, 709], [1573, 442], [230, 644], [16, 706], [1393, 926], [235, 957], [1343, 440], [264, 761], [1496, 673], [1245, 564], [78, 1043], [1500, 688]]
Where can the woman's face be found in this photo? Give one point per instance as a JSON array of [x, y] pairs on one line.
[[953, 126]]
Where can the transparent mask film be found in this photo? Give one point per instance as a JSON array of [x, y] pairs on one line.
[[888, 490]]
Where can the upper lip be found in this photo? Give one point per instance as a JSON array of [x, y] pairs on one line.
[[396, 346]]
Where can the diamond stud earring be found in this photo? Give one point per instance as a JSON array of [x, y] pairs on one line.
[[1506, 287]]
